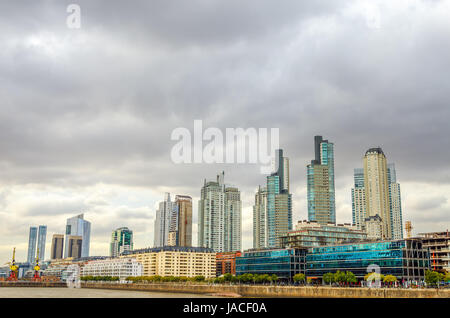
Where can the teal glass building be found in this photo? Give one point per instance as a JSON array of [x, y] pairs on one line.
[[284, 263], [279, 201], [320, 183], [406, 259]]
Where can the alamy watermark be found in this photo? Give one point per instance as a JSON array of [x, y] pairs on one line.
[[374, 278], [73, 276], [240, 145], [73, 20]]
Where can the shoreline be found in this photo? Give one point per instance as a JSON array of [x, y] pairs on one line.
[[233, 291]]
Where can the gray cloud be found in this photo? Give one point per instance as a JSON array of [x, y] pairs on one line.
[[98, 105]]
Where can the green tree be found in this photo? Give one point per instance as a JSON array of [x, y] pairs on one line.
[[340, 277], [228, 277], [432, 278], [328, 278], [447, 277], [199, 278], [299, 278], [350, 278], [389, 279], [274, 278]]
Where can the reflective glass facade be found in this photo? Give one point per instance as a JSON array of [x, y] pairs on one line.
[[320, 183], [284, 263], [314, 235], [405, 259], [279, 202]]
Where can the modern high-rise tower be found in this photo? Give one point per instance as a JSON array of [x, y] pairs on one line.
[[57, 246], [219, 216], [395, 203], [180, 227], [359, 213], [320, 183], [162, 222], [278, 219], [77, 227], [376, 186], [260, 219], [42, 236], [32, 238], [121, 241], [376, 197]]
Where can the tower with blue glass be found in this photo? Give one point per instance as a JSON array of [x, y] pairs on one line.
[[320, 183], [279, 201]]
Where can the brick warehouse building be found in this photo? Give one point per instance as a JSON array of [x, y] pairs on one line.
[[226, 263]]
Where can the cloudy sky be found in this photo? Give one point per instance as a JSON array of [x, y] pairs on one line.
[[86, 114]]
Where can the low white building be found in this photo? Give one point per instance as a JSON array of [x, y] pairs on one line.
[[114, 267]]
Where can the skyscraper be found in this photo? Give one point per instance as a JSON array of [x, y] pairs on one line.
[[121, 241], [32, 238], [180, 228], [219, 216], [42, 236], [395, 203], [359, 214], [162, 221], [376, 199], [77, 226], [320, 183], [376, 186], [74, 246], [279, 202], [57, 246], [260, 219], [232, 229]]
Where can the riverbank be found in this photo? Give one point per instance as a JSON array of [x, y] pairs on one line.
[[281, 291], [252, 290]]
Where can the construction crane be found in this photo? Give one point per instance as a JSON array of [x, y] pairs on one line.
[[13, 267], [36, 276], [408, 228]]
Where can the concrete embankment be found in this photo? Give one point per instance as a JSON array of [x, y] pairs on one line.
[[32, 284], [279, 291], [254, 291]]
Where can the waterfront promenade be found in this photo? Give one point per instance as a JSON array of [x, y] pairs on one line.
[[208, 290]]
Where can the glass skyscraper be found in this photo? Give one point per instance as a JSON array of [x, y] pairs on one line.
[[162, 222], [260, 218], [395, 203], [359, 214], [219, 216], [180, 228], [42, 236], [32, 238], [121, 241], [320, 183], [376, 195], [279, 202], [78, 227]]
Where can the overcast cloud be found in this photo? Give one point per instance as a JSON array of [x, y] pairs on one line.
[[86, 114]]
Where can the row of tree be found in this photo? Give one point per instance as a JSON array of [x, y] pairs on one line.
[[100, 278], [165, 279], [247, 279], [433, 278]]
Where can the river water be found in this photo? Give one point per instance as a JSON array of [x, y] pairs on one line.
[[32, 292]]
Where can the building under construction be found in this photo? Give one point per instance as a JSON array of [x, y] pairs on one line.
[[439, 247]]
